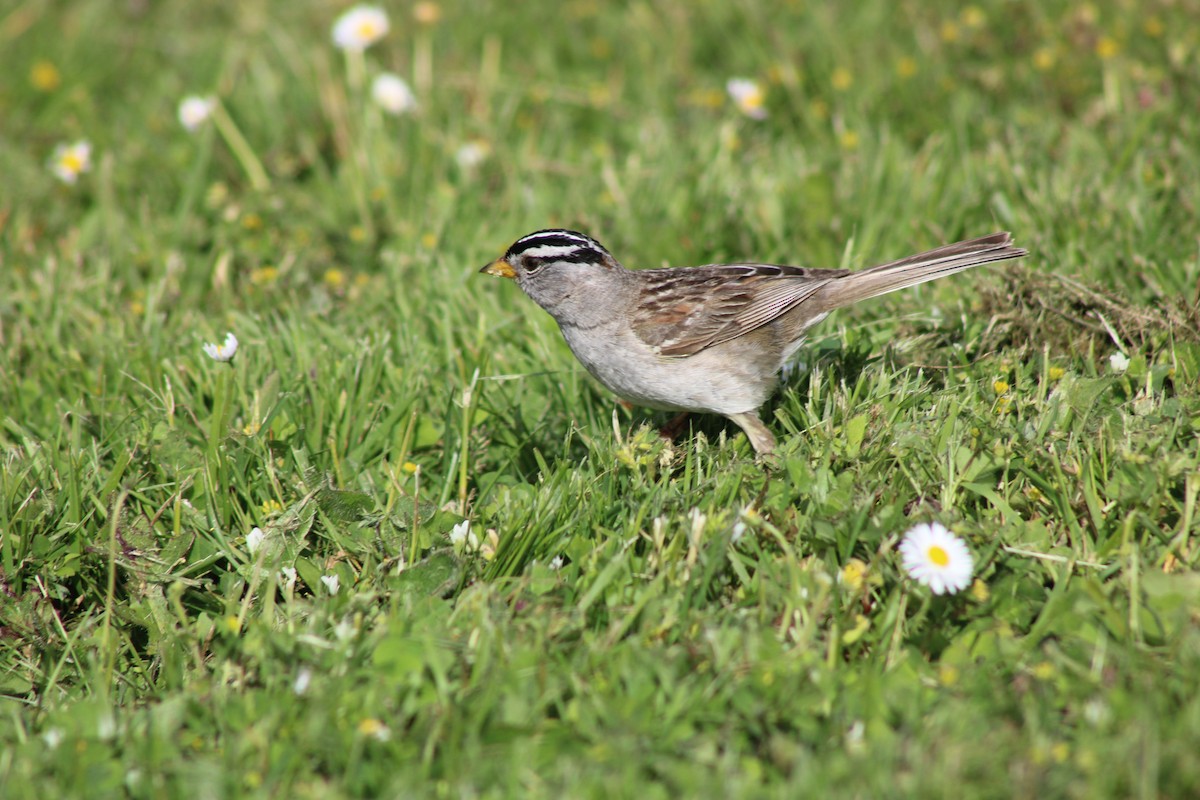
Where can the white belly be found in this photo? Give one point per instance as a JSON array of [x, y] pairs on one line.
[[702, 382]]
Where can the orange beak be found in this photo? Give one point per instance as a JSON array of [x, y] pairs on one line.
[[500, 268]]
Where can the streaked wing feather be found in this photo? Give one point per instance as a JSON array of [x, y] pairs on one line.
[[683, 311]]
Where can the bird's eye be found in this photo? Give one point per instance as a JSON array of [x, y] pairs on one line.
[[533, 264]]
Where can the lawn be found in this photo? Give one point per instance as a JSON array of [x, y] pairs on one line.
[[403, 545]]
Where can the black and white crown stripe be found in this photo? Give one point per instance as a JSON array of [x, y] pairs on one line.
[[558, 245]]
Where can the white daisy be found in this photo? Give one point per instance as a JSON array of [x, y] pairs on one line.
[[934, 556], [748, 96], [222, 352], [254, 539], [393, 94], [69, 161], [194, 111], [360, 27], [303, 679], [461, 535], [472, 154]]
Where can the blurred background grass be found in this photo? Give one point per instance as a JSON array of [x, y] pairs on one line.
[[383, 392]]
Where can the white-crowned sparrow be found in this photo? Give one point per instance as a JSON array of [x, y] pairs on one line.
[[709, 338]]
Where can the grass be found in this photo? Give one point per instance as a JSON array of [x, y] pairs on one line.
[[639, 617]]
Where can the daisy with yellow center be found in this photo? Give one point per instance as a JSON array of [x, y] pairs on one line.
[[360, 27], [748, 96], [222, 352], [69, 161], [935, 557]]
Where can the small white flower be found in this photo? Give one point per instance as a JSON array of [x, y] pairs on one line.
[[331, 583], [360, 27], [288, 574], [854, 736], [393, 94], [69, 161], [106, 726], [461, 534], [194, 111], [344, 630], [748, 96], [1118, 362], [738, 533], [222, 352], [472, 154], [303, 679], [699, 520], [254, 539], [556, 563], [934, 556], [52, 737]]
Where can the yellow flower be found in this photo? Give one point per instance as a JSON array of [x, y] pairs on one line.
[[841, 79], [906, 67], [979, 591], [1107, 47], [427, 13], [1043, 58], [973, 17], [69, 161], [334, 277], [948, 674], [358, 234], [706, 98], [252, 221], [264, 275], [410, 467], [270, 507], [375, 729], [848, 140], [949, 31], [852, 574], [1001, 386], [44, 76], [1153, 27], [599, 95]]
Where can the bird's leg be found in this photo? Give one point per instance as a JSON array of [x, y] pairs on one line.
[[761, 439], [674, 426]]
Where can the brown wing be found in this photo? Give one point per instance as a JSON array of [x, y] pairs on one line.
[[684, 310]]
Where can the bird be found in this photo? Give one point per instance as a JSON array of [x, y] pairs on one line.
[[710, 338]]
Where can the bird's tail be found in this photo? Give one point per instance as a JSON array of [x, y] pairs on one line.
[[937, 263]]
